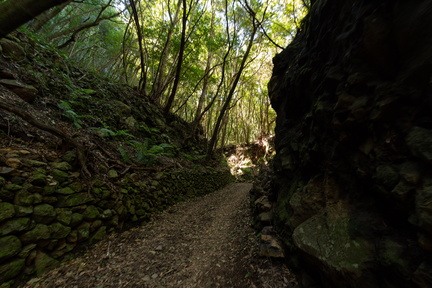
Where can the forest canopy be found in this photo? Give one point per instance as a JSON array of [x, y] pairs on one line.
[[207, 61]]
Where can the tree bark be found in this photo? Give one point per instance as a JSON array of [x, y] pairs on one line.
[[160, 82], [17, 12], [143, 78], [180, 60], [213, 139]]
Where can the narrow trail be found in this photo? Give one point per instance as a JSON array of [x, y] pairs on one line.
[[204, 242]]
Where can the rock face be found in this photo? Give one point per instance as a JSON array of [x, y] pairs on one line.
[[354, 143]]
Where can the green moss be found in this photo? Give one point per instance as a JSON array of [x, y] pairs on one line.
[[11, 269], [15, 225], [7, 211], [9, 247], [59, 231], [39, 232], [13, 187], [59, 175]]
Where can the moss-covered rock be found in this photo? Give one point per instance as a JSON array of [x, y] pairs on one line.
[[74, 200], [9, 247], [25, 251], [59, 175], [15, 225], [43, 263], [83, 231], [13, 187], [63, 166], [44, 213], [91, 213], [24, 198], [38, 179], [7, 195], [76, 219], [11, 269], [72, 237], [21, 211], [12, 49], [7, 211], [99, 235], [424, 208], [64, 216], [112, 174], [76, 187], [59, 231], [65, 191], [62, 249], [39, 232], [2, 182], [49, 190], [70, 157]]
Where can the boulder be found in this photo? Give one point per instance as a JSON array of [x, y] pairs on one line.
[[24, 91], [269, 247], [12, 50]]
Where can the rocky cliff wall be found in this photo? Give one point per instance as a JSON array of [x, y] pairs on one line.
[[47, 210], [353, 168]]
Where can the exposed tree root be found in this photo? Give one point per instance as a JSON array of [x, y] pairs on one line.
[[31, 120]]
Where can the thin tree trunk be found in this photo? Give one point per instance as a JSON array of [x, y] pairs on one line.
[[143, 78], [231, 93], [180, 60], [160, 84]]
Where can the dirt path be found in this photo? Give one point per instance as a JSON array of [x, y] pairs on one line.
[[205, 242]]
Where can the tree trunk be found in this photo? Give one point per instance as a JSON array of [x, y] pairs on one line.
[[231, 93], [160, 81], [17, 12], [180, 60], [143, 78]]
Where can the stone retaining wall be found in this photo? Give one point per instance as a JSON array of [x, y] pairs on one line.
[[47, 210]]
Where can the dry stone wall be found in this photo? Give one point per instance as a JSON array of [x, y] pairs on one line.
[[47, 211]]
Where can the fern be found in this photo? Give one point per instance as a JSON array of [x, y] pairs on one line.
[[124, 155], [110, 133]]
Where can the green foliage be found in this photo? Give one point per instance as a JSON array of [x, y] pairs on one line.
[[106, 132], [111, 49], [124, 155], [68, 112], [192, 158], [146, 154], [151, 131]]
